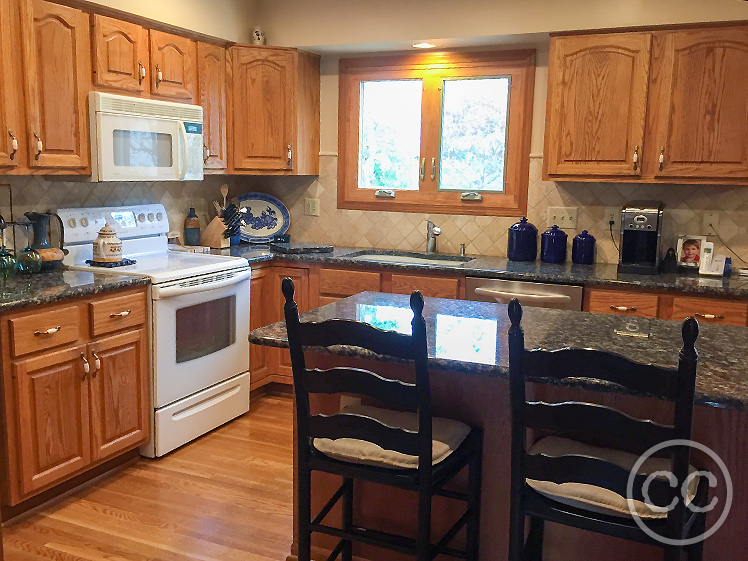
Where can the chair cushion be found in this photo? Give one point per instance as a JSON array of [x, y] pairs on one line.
[[447, 436], [600, 499]]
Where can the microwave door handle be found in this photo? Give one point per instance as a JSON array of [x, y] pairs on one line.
[[182, 170], [158, 293]]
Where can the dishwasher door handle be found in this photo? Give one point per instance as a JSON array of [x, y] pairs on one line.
[[503, 295]]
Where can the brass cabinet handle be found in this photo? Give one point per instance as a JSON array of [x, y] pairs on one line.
[[662, 158], [141, 73], [86, 366], [709, 316], [120, 314], [97, 363], [49, 331], [13, 144], [159, 76], [422, 171], [289, 154], [635, 159], [39, 146], [433, 168], [206, 154], [623, 308]]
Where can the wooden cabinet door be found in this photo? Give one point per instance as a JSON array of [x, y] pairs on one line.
[[211, 76], [597, 103], [57, 72], [9, 125], [119, 393], [700, 103], [173, 67], [280, 359], [259, 299], [51, 393], [120, 54], [434, 287], [263, 108]]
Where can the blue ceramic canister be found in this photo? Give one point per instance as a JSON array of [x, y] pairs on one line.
[[583, 248], [553, 245], [523, 241]]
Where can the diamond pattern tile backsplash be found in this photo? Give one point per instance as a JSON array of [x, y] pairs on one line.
[[487, 235]]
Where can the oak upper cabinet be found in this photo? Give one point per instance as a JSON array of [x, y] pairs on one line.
[[211, 77], [10, 126], [597, 104], [120, 55], [51, 396], [57, 70], [699, 103], [173, 69], [275, 111]]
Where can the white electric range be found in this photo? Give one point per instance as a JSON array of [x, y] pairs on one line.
[[199, 320]]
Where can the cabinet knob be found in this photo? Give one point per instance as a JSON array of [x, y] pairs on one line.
[[97, 363], [120, 314], [206, 154], [13, 144], [623, 308], [39, 146], [159, 76], [662, 158], [422, 171], [86, 366], [709, 316], [289, 155], [141, 73], [49, 331], [433, 169], [635, 159]]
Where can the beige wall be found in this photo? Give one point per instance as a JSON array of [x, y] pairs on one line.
[[227, 19]]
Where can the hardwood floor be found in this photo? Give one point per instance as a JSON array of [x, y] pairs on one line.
[[227, 496]]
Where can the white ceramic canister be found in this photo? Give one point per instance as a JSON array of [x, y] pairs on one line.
[[107, 248]]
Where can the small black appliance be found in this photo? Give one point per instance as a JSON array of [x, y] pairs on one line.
[[641, 230]]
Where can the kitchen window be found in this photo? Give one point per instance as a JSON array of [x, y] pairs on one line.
[[436, 132]]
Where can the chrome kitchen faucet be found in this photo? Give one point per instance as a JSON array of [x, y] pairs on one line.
[[431, 233]]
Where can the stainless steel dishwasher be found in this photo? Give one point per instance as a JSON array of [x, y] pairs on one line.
[[538, 294]]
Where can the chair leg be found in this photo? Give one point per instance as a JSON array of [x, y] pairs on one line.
[[348, 518], [423, 541], [673, 553], [516, 528], [473, 505], [305, 514], [534, 545], [695, 552]]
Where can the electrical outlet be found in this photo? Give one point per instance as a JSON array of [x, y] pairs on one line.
[[710, 223], [311, 207], [563, 216], [612, 214]]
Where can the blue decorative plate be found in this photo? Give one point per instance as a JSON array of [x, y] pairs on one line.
[[263, 216]]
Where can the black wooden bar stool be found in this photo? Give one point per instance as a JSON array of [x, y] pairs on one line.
[[582, 482], [402, 446]]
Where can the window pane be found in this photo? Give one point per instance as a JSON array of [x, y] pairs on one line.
[[390, 134], [474, 127]]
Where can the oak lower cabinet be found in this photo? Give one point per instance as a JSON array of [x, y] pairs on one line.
[[72, 400], [259, 292], [274, 95]]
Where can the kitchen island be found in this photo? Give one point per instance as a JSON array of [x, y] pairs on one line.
[[468, 357]]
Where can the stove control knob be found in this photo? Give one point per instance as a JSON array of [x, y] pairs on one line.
[[150, 217], [71, 222], [141, 217], [159, 216], [84, 222]]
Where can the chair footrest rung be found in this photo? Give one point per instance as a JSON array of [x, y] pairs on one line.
[[328, 507], [441, 546], [451, 494], [335, 552], [372, 537]]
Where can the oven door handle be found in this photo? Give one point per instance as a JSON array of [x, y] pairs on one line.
[[159, 293], [503, 296]]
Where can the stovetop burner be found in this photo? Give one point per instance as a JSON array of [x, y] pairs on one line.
[[111, 264]]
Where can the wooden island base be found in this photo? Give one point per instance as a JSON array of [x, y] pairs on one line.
[[484, 402]]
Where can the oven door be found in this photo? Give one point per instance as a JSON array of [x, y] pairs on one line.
[[201, 333]]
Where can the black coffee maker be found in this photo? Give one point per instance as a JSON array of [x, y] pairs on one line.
[[641, 229]]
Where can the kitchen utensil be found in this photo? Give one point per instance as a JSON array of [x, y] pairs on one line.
[[232, 219], [51, 256], [225, 193], [107, 248], [262, 217], [217, 206], [213, 235], [28, 261], [583, 248], [553, 245], [523, 241]]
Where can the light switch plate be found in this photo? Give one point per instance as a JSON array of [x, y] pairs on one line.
[[311, 207], [563, 216]]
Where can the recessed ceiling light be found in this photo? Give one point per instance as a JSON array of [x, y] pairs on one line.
[[423, 46]]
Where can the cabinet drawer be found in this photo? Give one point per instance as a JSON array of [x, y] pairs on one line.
[[38, 331], [434, 287], [341, 282], [639, 304], [710, 311], [113, 314]]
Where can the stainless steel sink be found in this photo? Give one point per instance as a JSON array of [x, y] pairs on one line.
[[407, 258]]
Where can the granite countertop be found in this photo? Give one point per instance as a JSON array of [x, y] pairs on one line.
[[45, 288], [599, 274], [471, 337]]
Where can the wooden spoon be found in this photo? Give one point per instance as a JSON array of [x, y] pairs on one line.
[[224, 192]]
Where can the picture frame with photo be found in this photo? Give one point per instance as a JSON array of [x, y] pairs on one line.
[[689, 251]]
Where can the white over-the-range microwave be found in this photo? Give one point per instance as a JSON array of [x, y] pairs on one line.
[[136, 139]]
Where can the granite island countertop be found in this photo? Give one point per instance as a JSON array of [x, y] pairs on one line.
[[54, 286], [599, 274], [471, 337]]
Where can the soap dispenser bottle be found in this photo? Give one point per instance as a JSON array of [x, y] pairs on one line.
[[192, 228]]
